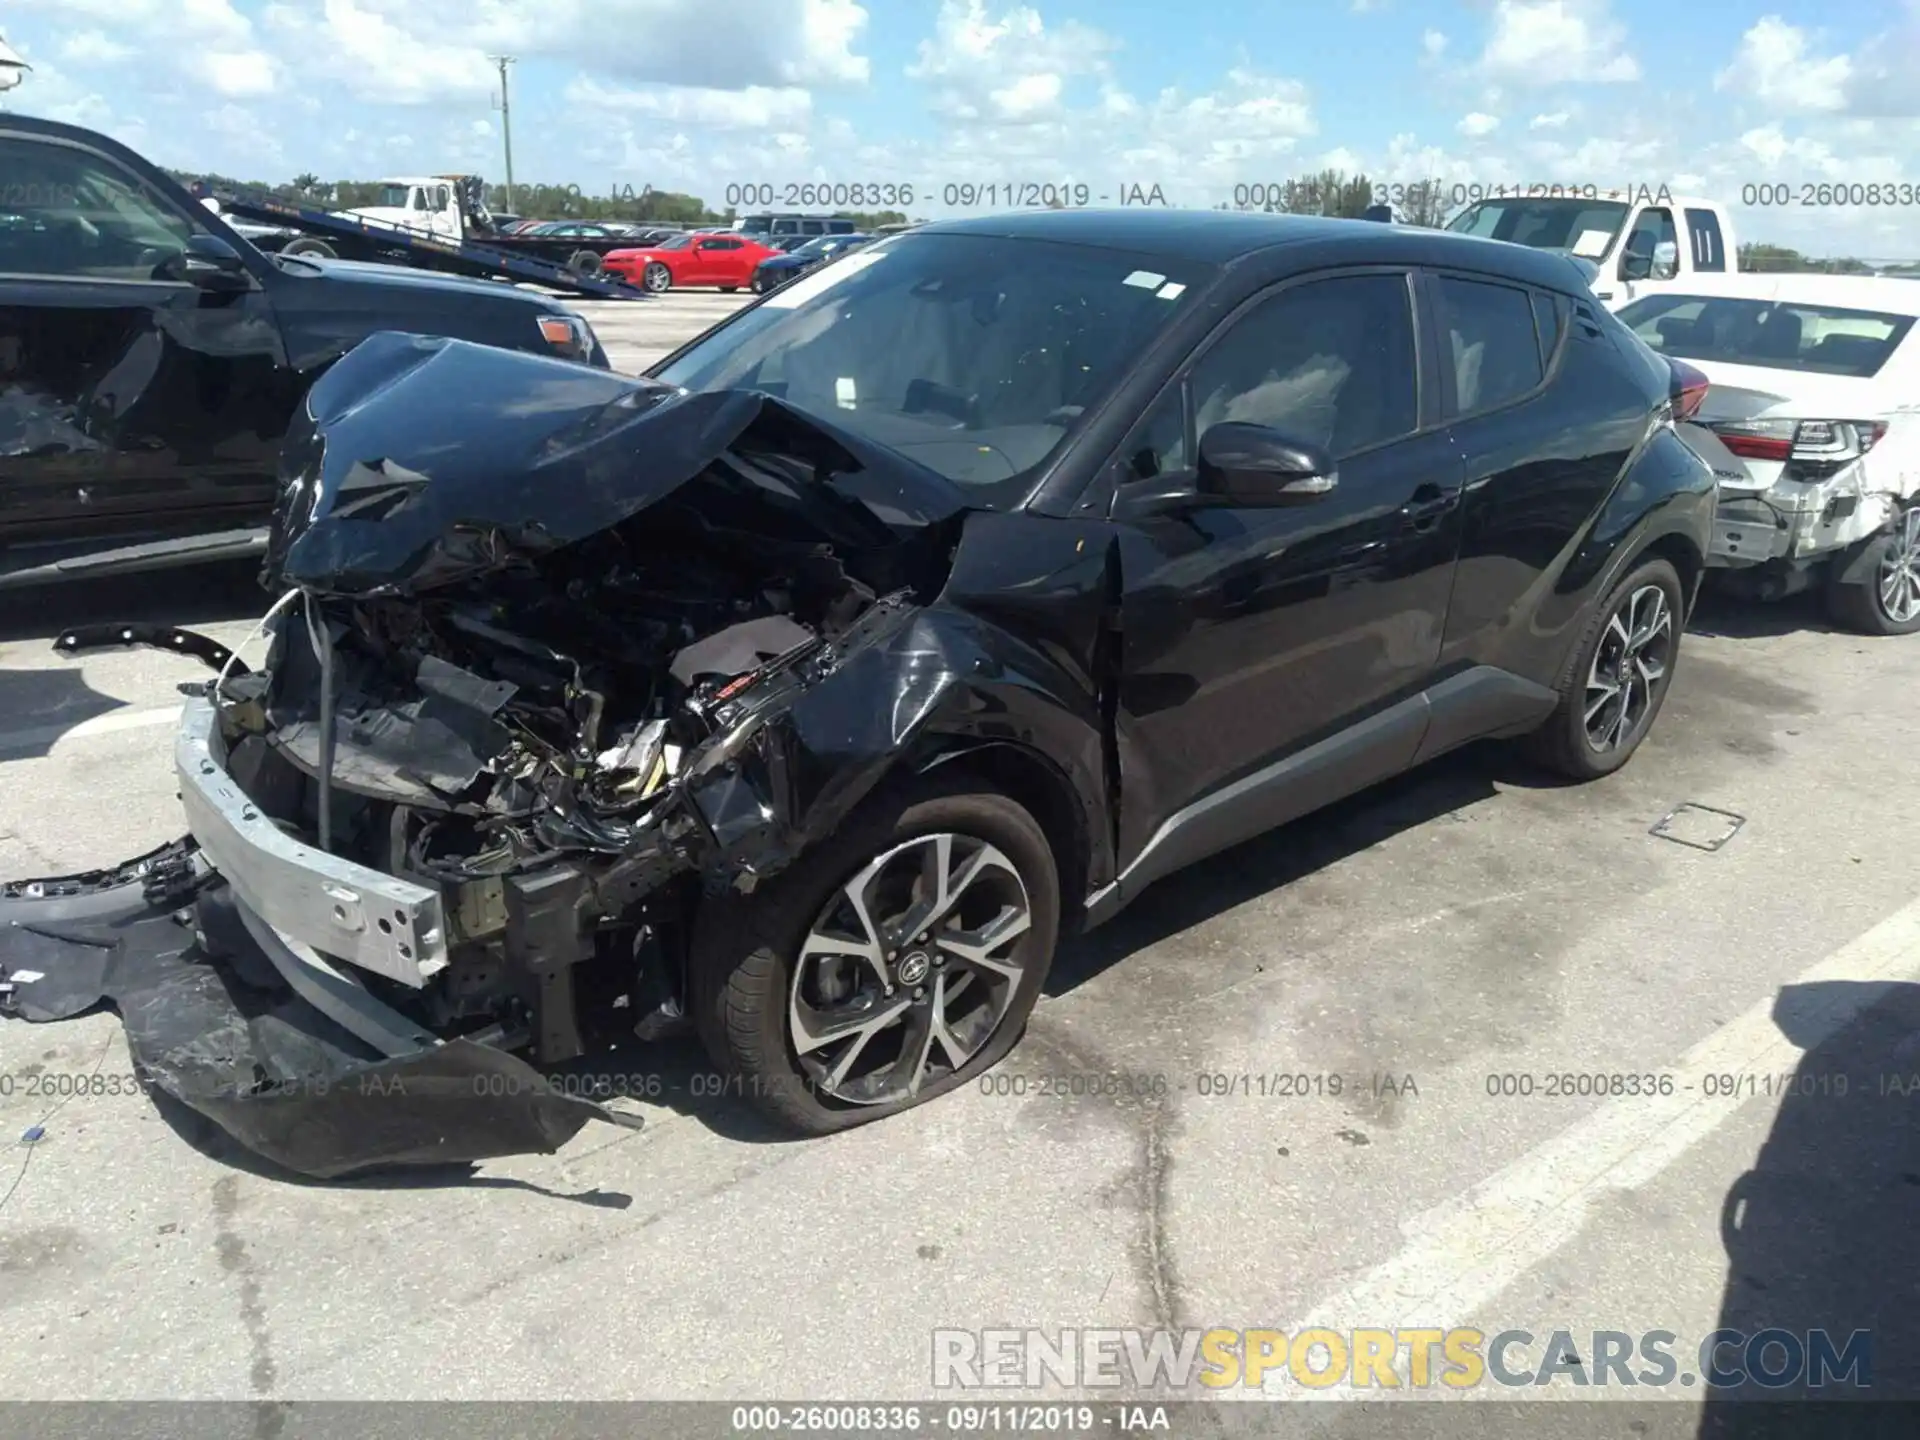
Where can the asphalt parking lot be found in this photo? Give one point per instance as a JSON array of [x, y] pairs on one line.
[[1430, 951]]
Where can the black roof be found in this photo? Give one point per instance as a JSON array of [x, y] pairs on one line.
[[1222, 237]]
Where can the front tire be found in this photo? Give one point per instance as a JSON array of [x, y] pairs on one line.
[[307, 245], [585, 263], [1617, 677], [897, 960], [656, 278], [1887, 600]]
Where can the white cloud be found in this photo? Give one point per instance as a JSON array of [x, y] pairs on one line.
[[1478, 123], [757, 107], [1555, 42], [92, 47], [1005, 67], [1773, 67], [1553, 121], [237, 74], [1433, 44]]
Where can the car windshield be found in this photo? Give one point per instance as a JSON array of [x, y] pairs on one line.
[[1587, 228], [1775, 335], [819, 245], [976, 355], [392, 197]]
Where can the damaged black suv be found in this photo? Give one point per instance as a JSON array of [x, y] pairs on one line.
[[812, 688]]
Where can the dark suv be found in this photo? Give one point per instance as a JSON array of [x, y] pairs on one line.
[[151, 357], [922, 613]]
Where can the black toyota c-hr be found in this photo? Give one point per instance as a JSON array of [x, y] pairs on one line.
[[928, 610]]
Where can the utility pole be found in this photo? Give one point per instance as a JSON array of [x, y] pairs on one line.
[[506, 122]]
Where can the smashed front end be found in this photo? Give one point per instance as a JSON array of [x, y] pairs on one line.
[[538, 634]]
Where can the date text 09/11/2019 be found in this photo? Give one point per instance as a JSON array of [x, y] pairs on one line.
[[953, 195]]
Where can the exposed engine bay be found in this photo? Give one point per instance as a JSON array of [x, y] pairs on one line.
[[525, 746]]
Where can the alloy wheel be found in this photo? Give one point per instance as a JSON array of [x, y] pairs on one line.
[[1899, 577], [906, 973], [1628, 669], [656, 278]]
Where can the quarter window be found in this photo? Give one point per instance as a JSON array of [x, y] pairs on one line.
[[1329, 363], [68, 213], [1491, 343]]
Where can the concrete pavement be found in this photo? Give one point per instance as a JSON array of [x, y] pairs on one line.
[[1463, 935]]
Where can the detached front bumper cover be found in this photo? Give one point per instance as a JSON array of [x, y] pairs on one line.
[[233, 1017]]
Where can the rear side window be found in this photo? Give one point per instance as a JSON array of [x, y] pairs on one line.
[[1709, 251], [1773, 335], [1491, 341]]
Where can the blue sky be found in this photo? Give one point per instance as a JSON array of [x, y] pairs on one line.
[[696, 95]]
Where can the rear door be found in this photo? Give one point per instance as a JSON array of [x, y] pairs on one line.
[[1546, 417], [127, 403]]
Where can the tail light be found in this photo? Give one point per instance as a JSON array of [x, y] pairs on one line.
[[1689, 389], [1819, 443]]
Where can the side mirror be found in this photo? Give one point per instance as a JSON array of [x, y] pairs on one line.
[[1636, 261], [208, 262], [1666, 260], [1253, 465]]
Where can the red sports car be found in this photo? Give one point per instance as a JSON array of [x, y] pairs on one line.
[[720, 258]]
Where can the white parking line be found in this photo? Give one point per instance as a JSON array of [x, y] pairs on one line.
[[1462, 1254], [42, 737]]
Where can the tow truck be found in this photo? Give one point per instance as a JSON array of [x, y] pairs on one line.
[[435, 222]]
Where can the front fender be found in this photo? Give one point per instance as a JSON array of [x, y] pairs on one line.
[[943, 680]]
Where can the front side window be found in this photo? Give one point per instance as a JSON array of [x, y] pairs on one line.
[[976, 355], [73, 214], [1330, 363], [1652, 229], [1492, 340]]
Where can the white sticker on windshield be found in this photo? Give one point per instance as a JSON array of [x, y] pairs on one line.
[[844, 394], [1172, 290], [808, 287], [1145, 279], [26, 977], [1592, 243]]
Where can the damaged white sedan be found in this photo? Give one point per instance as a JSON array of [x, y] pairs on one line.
[[1812, 401]]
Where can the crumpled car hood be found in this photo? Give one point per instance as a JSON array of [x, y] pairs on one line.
[[421, 461]]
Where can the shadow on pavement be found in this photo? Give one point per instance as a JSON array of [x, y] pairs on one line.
[[1732, 616], [38, 706], [1821, 1234], [1279, 858]]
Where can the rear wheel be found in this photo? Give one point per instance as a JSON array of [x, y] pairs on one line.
[[656, 278], [585, 262], [307, 245], [1886, 599], [897, 960], [1616, 678]]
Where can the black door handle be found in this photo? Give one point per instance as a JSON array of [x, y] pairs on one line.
[[1427, 504]]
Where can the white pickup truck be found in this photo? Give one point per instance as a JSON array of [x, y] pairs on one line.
[[1639, 242]]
